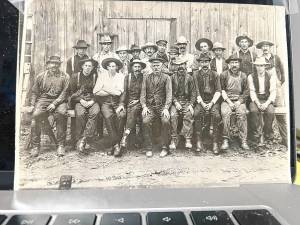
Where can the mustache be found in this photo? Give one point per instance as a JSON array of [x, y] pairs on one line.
[[205, 67]]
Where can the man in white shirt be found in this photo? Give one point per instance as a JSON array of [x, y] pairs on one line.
[[262, 86], [218, 63], [108, 89], [183, 53]]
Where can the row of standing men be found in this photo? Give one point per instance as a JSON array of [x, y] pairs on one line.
[[175, 88]]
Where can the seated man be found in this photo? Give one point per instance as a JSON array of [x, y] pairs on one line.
[[49, 95], [156, 99], [208, 91], [235, 93], [108, 89], [82, 100], [131, 99], [182, 107], [262, 87]]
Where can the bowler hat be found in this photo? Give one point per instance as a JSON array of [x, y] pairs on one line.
[[233, 57], [106, 61], [239, 38], [81, 44], [161, 41], [54, 59], [143, 65], [209, 43], [134, 47], [262, 43]]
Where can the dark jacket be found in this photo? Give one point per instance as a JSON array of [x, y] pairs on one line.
[[213, 65], [157, 95], [246, 66], [132, 90], [275, 61], [267, 83], [189, 88], [245, 89], [73, 64]]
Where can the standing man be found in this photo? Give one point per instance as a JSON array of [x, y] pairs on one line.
[[130, 99], [156, 99], [208, 91], [149, 49], [161, 51], [275, 67], [182, 45], [80, 54], [83, 101], [105, 45], [123, 56], [218, 63], [49, 95], [135, 51], [173, 55], [204, 46], [262, 87], [182, 107], [245, 54], [235, 93], [108, 89]]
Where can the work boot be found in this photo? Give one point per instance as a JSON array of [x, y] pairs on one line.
[[172, 145], [123, 141], [225, 144], [216, 150], [261, 141], [199, 145], [61, 151], [35, 151], [245, 146], [149, 153], [188, 143], [117, 151], [81, 144], [164, 152]]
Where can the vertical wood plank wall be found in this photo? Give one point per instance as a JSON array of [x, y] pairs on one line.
[[57, 24]]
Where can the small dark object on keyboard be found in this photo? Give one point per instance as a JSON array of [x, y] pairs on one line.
[[211, 218], [254, 217]]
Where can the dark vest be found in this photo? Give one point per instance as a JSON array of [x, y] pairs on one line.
[[267, 83]]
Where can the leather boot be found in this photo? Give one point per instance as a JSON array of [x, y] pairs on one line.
[[199, 145], [188, 143], [216, 150], [81, 145], [245, 146], [261, 141], [164, 152], [117, 151], [123, 142], [172, 145], [61, 150], [35, 151], [225, 144]]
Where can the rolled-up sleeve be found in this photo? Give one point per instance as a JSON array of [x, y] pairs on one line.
[[252, 90]]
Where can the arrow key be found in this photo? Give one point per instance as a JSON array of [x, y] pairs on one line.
[[121, 219], [75, 219]]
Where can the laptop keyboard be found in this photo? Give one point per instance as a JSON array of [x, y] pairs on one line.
[[220, 217]]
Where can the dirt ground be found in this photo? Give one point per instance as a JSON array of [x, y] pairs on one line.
[[133, 169]]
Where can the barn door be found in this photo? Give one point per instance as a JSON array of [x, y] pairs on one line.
[[141, 31]]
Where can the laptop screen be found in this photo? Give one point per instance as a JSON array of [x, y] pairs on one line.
[[115, 94]]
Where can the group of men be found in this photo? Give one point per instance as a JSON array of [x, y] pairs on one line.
[[181, 93]]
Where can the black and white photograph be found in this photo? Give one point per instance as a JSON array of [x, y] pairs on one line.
[[114, 94]]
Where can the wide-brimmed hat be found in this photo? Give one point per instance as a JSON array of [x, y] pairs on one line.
[[180, 60], [218, 45], [143, 65], [182, 40], [150, 44], [122, 49], [233, 57], [134, 47], [260, 61], [94, 62], [54, 59], [262, 43], [156, 58], [105, 39], [161, 40], [174, 49], [106, 61], [239, 38], [81, 44], [206, 40], [204, 57]]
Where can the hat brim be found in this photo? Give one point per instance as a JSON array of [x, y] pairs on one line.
[[233, 59], [213, 49], [143, 65], [260, 44], [106, 61], [209, 43], [105, 42], [53, 61], [78, 46], [239, 38], [122, 51], [157, 59], [153, 46], [135, 49], [94, 62]]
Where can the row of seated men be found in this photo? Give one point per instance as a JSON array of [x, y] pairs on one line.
[[122, 99]]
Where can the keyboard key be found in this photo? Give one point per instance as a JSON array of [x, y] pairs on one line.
[[257, 217], [75, 219], [211, 218], [121, 219], [2, 218], [29, 220], [166, 218]]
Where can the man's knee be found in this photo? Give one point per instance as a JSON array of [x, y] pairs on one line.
[[106, 111], [253, 107], [79, 110], [94, 110], [62, 109]]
